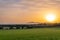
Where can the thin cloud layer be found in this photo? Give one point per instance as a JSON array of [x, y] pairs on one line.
[[23, 10]]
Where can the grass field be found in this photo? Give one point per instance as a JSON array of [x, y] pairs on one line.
[[31, 34]]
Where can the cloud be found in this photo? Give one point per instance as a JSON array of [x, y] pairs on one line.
[[24, 8]]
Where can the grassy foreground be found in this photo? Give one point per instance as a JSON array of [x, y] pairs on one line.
[[31, 34]]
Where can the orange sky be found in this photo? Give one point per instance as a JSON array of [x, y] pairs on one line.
[[22, 11]]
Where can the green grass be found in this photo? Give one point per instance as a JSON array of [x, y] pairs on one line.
[[31, 34]]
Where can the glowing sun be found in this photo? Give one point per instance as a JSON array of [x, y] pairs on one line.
[[50, 17]]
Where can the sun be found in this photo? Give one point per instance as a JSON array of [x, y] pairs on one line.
[[50, 17]]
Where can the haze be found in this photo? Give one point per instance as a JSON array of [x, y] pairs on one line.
[[22, 11]]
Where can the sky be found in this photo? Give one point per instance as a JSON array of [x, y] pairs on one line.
[[22, 11]]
